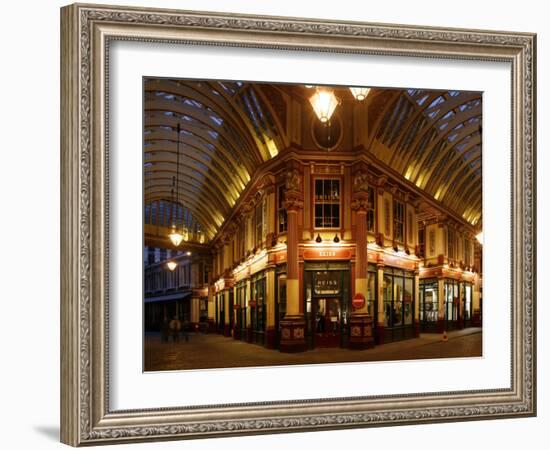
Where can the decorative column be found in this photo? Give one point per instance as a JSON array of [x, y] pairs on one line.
[[441, 304], [195, 307], [416, 303], [248, 319], [460, 304], [211, 310], [293, 324], [227, 314], [270, 308], [381, 319], [476, 301], [361, 335], [236, 312]]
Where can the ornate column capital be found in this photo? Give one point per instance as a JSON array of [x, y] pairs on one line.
[[293, 201], [360, 203]]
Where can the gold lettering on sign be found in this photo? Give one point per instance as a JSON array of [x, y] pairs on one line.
[[327, 253]]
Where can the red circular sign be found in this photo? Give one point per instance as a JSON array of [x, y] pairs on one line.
[[358, 301]]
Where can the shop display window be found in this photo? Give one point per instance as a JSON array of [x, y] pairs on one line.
[[429, 302]]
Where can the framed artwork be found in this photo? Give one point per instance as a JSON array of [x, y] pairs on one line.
[[276, 224]]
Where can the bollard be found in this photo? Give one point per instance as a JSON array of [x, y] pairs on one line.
[[445, 338]]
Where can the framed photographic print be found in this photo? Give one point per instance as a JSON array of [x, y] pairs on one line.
[[276, 225]]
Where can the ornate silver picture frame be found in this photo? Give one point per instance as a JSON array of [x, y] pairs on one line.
[[87, 32]]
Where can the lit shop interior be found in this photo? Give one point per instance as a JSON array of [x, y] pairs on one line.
[[296, 217]]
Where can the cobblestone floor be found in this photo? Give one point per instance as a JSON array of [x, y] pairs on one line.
[[207, 351]]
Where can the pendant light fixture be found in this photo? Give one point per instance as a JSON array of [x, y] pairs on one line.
[[324, 102], [360, 93], [174, 235], [318, 239], [336, 239], [172, 265]]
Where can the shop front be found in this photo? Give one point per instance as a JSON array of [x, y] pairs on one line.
[[220, 317], [399, 302], [429, 305], [458, 304], [327, 304], [257, 305], [467, 301], [280, 304], [240, 312]]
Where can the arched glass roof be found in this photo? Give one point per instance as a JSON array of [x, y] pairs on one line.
[[432, 138], [226, 132]]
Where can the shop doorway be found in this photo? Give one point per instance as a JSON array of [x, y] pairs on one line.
[[327, 304], [327, 317]]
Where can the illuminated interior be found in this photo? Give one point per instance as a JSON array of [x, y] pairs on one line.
[[349, 221]]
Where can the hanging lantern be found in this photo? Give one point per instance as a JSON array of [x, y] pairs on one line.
[[324, 102], [360, 93], [175, 237], [172, 265]]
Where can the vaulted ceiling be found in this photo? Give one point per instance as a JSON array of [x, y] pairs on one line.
[[227, 129], [226, 132], [433, 138]]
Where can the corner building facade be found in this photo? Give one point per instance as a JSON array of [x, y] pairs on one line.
[[331, 250]]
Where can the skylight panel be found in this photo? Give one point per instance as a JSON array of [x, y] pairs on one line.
[[421, 100], [433, 114], [436, 102], [216, 119]]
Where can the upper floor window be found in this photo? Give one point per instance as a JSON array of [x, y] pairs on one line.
[[259, 223], [451, 243], [242, 238], [421, 238], [281, 210], [410, 226], [467, 251], [370, 212], [398, 221], [327, 203]]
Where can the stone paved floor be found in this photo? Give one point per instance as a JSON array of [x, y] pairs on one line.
[[215, 351]]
